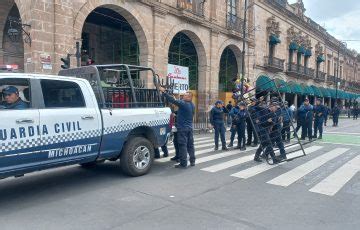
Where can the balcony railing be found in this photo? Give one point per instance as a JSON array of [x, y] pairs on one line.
[[320, 76], [235, 23], [195, 6], [330, 79], [274, 63], [300, 71]]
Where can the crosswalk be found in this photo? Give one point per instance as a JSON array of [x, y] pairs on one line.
[[240, 164]]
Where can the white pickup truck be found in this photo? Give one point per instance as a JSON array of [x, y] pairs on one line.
[[84, 116]]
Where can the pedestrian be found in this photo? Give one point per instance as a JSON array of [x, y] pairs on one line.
[[319, 114], [287, 115], [240, 118], [355, 112], [233, 129], [217, 121], [263, 123], [326, 114], [275, 129], [175, 136], [249, 125], [305, 113], [184, 126], [229, 106], [335, 114]]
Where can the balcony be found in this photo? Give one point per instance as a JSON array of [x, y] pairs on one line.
[[330, 79], [195, 7], [234, 23], [309, 73], [274, 64], [320, 77], [295, 70]]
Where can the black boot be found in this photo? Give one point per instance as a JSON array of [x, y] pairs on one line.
[[224, 148], [257, 159], [216, 148], [230, 145]]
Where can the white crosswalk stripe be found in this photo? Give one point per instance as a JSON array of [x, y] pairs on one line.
[[232, 163], [297, 173], [253, 171], [335, 181], [221, 155]]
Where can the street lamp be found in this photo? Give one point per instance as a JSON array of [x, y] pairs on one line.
[[342, 45], [243, 50]]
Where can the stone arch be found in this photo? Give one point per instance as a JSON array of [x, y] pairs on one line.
[[231, 43], [199, 46], [127, 11], [19, 49]]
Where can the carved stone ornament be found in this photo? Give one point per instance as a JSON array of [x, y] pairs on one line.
[[319, 49], [307, 42], [292, 36], [273, 27]]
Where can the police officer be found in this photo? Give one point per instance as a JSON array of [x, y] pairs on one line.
[[217, 121], [335, 113], [326, 114], [233, 129], [275, 130], [287, 115], [249, 126], [241, 117], [12, 99], [305, 113], [263, 123], [319, 113], [184, 126]]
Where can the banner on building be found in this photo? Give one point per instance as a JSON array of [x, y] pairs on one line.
[[179, 76]]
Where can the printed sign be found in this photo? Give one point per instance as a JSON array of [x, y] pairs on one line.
[[45, 58], [179, 76]]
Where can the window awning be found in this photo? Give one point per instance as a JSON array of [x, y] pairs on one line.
[[320, 58], [301, 50], [293, 46], [308, 53], [325, 92], [264, 83], [282, 86], [316, 91], [274, 40], [295, 88], [307, 90]]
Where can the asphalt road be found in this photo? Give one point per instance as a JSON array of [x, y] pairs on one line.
[[223, 191]]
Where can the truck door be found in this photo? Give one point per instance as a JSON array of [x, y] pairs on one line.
[[73, 122], [19, 125]]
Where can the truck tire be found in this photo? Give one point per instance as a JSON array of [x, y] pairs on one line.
[[137, 156]]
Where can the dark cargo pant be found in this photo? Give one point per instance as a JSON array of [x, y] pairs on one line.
[[185, 141]]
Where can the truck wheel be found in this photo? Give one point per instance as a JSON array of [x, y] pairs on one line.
[[137, 157]]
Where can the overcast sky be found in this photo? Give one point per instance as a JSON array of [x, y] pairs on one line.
[[341, 18]]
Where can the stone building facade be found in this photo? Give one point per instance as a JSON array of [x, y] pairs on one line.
[[154, 32]]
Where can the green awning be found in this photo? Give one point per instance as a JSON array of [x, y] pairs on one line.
[[273, 39], [325, 92], [316, 91], [293, 46], [320, 58], [282, 86], [332, 92], [301, 50], [308, 53], [295, 88], [307, 90], [264, 83]]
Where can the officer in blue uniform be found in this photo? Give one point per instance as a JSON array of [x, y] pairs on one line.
[[305, 113], [233, 130], [287, 116], [319, 113], [275, 131], [263, 124], [217, 121], [335, 113], [249, 126], [12, 99], [184, 126], [241, 125]]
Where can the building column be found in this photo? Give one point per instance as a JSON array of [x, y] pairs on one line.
[[283, 96], [330, 103], [295, 100]]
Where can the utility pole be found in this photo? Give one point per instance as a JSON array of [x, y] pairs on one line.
[[341, 44], [78, 54], [243, 50]]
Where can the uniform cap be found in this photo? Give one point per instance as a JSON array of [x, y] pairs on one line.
[[319, 99], [306, 99], [218, 102], [10, 90]]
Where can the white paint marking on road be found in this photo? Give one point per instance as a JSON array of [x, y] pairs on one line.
[[335, 181], [221, 155], [199, 146], [253, 171], [195, 143], [295, 174], [232, 163]]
